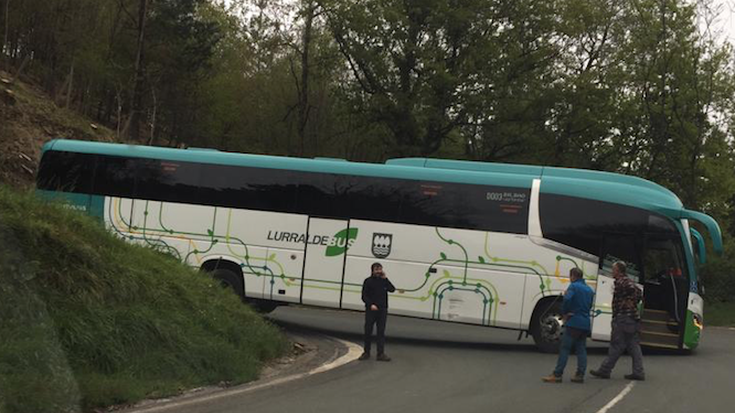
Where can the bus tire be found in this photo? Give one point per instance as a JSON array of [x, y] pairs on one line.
[[228, 279], [264, 306], [547, 326]]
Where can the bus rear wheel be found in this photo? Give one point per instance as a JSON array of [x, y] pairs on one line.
[[547, 326], [264, 306], [229, 280]]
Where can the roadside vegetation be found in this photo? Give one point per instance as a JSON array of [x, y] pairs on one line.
[[720, 314], [718, 278], [89, 320]]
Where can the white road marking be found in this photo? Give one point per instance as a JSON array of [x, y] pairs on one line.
[[353, 352], [617, 398]]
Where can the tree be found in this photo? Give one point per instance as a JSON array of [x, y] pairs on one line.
[[414, 64], [133, 128]]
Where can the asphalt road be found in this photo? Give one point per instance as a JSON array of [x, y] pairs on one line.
[[449, 368]]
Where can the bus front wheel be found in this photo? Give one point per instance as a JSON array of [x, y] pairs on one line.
[[547, 326]]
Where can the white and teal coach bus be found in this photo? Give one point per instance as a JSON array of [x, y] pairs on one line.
[[467, 242]]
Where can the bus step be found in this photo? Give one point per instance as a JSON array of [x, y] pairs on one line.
[[659, 334], [647, 344], [660, 339], [660, 326], [655, 315]]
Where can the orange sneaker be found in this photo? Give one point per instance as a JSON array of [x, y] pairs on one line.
[[551, 378]]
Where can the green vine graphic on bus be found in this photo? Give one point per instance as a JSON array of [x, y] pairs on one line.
[[435, 290]]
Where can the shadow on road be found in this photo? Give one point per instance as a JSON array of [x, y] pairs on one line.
[[457, 344], [423, 342]]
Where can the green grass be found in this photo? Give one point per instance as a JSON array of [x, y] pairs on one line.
[[720, 314], [87, 320]]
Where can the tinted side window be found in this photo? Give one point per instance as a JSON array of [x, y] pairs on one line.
[[370, 198], [320, 194], [580, 223], [480, 207], [427, 203], [664, 257], [167, 181], [249, 188], [66, 171], [622, 247], [493, 208], [115, 176], [660, 224]]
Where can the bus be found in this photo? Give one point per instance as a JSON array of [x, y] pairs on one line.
[[467, 242]]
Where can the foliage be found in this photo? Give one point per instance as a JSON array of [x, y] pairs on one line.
[[85, 326], [636, 87], [720, 314]]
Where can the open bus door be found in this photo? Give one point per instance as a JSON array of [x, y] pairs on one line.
[[667, 291], [615, 247]]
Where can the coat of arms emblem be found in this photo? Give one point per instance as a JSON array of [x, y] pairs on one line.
[[382, 244]]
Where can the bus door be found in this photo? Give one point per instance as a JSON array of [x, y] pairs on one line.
[[667, 290], [615, 247], [324, 261]]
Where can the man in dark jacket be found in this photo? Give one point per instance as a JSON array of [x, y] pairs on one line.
[[576, 309], [375, 291]]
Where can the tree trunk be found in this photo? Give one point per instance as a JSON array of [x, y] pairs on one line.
[[304, 90], [5, 33], [133, 127], [22, 66], [153, 117], [70, 86]]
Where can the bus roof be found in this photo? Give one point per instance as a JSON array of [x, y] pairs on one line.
[[602, 186]]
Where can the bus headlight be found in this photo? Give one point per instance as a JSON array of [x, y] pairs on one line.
[[698, 322]]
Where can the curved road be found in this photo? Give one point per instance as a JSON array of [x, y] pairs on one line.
[[449, 368]]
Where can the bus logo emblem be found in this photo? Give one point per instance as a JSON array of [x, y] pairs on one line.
[[382, 244]]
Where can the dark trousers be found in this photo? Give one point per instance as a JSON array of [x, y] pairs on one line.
[[625, 336], [371, 318]]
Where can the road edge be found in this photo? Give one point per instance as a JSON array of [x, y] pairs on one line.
[[352, 353]]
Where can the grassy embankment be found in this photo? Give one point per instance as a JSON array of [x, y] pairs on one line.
[[87, 320]]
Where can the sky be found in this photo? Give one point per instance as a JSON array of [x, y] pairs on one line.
[[724, 24], [726, 20]]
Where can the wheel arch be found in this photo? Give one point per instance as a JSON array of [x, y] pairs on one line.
[[212, 265]]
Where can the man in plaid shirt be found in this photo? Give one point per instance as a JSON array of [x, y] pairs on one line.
[[625, 326]]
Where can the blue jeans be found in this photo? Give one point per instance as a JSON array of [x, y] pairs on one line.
[[577, 339]]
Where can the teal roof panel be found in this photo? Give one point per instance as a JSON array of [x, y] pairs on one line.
[[301, 164]]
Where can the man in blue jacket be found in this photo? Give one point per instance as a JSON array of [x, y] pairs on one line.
[[576, 309]]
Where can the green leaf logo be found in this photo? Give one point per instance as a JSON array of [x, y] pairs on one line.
[[341, 242]]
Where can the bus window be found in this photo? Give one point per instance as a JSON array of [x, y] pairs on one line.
[[248, 188], [579, 222], [369, 198], [666, 278], [660, 224], [66, 172], [487, 208], [662, 260], [115, 176], [167, 181], [621, 247]]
